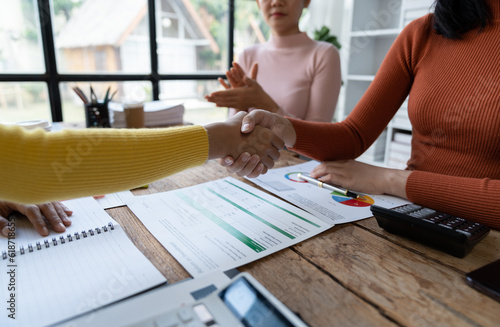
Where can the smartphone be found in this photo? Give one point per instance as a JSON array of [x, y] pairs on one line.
[[486, 279]]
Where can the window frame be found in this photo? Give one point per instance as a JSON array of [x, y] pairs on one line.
[[53, 78]]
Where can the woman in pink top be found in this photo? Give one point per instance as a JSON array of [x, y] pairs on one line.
[[298, 77]]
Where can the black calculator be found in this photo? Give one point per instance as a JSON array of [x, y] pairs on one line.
[[442, 231]]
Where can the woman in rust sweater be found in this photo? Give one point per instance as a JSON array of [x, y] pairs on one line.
[[449, 65]]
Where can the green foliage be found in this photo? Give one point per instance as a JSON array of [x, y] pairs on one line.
[[244, 12], [65, 7], [323, 34], [30, 34]]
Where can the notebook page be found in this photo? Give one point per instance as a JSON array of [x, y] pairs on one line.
[[87, 214], [56, 283]]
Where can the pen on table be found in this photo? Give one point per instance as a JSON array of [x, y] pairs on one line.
[[327, 186]]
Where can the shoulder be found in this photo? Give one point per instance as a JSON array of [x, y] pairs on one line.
[[323, 48], [419, 28], [325, 52], [416, 39]]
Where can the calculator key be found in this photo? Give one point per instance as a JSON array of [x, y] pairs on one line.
[[453, 223], [185, 314], [167, 320], [437, 219]]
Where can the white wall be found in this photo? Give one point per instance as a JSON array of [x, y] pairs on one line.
[[324, 12]]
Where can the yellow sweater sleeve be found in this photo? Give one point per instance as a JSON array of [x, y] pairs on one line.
[[38, 166]]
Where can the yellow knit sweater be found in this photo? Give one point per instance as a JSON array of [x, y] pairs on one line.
[[37, 166]]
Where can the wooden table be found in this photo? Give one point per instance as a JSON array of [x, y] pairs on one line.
[[354, 274]]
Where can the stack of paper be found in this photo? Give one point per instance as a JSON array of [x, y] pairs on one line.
[[156, 113]]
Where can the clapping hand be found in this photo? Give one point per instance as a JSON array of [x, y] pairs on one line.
[[243, 92]]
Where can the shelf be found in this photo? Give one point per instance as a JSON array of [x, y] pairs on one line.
[[375, 33], [364, 78], [401, 124], [367, 53]]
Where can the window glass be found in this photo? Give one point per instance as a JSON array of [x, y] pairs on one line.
[[24, 101], [101, 36], [192, 36], [73, 105], [20, 39], [191, 94], [249, 28]]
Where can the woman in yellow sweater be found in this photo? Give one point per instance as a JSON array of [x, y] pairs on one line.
[[41, 167]]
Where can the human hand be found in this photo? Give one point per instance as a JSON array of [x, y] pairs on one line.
[[361, 177], [248, 94], [260, 148], [245, 165], [55, 213], [236, 75], [280, 126]]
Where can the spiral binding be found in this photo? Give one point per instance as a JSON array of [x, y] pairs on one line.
[[61, 240]]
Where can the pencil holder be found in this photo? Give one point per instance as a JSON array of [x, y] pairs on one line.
[[97, 114]]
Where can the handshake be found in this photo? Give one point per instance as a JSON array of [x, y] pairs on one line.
[[249, 143]]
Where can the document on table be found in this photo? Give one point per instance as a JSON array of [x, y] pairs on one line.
[[114, 200], [222, 224], [331, 207]]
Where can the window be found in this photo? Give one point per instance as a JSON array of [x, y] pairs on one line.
[[171, 50]]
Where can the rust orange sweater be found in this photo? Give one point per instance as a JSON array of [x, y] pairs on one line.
[[454, 108]]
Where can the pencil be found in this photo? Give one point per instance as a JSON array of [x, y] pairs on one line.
[[80, 94], [319, 183]]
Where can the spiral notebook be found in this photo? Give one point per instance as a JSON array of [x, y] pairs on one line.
[[51, 279]]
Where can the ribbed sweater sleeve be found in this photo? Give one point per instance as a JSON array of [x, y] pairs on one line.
[[74, 163], [470, 198]]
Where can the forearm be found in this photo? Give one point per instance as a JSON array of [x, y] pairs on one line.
[[325, 141], [43, 167], [470, 198], [394, 181]]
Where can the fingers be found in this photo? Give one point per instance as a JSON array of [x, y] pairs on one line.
[[223, 83], [63, 212], [254, 71], [257, 117], [227, 98], [327, 168], [55, 213], [238, 72], [227, 161], [242, 161], [232, 78], [50, 213], [35, 217], [4, 226], [251, 167], [259, 170]]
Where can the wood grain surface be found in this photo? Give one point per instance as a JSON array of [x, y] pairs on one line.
[[354, 274]]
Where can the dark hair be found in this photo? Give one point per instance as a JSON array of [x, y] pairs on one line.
[[453, 18]]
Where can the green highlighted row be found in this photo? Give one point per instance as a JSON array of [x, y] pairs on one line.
[[277, 206], [227, 227]]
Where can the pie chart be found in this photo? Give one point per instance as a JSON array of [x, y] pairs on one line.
[[364, 201], [293, 177]]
